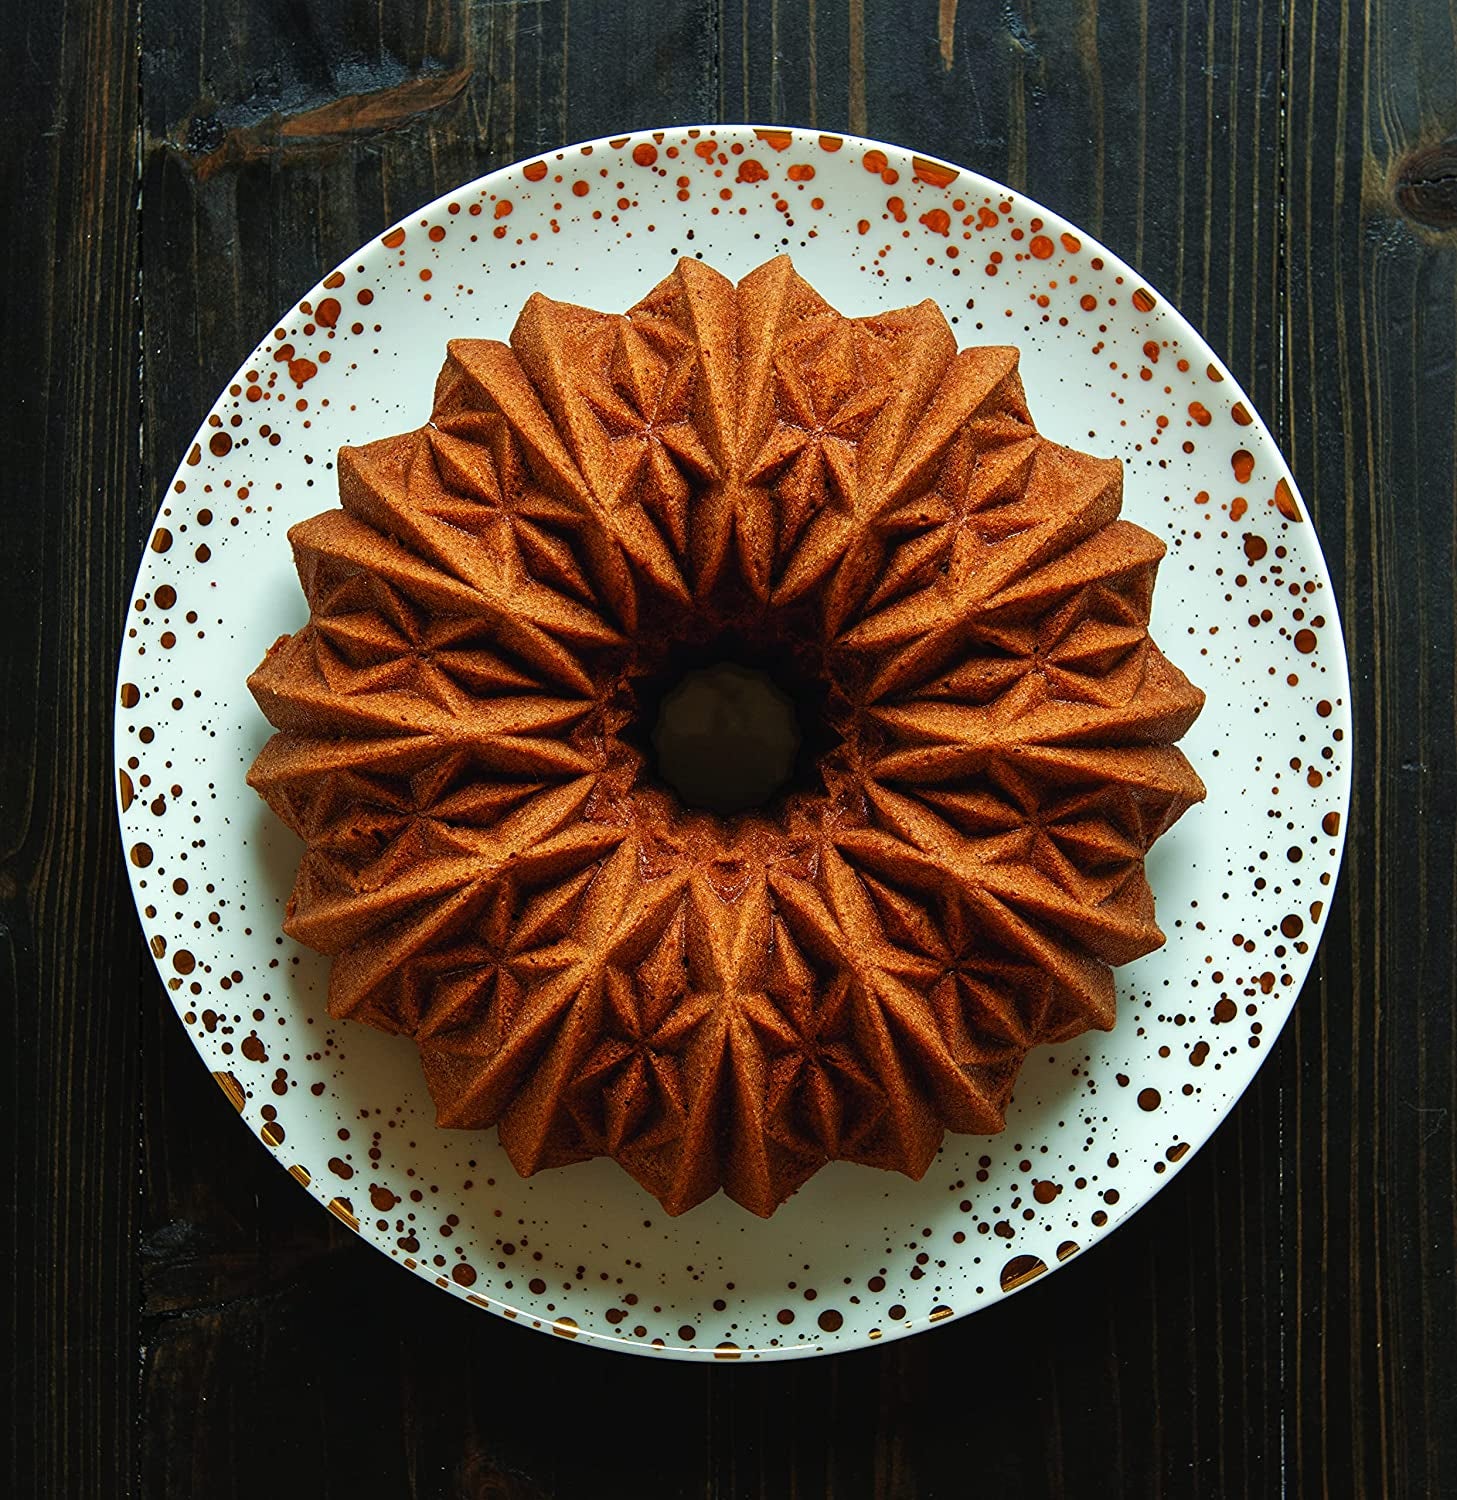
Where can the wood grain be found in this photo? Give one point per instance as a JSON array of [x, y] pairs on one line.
[[1370, 307], [1283, 1318], [69, 962]]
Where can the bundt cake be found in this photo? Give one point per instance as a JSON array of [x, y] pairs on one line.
[[497, 867]]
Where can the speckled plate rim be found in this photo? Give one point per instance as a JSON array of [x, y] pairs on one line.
[[911, 165]]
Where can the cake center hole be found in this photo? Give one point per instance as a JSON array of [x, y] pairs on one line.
[[727, 737]]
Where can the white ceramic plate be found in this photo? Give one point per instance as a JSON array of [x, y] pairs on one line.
[[1244, 605]]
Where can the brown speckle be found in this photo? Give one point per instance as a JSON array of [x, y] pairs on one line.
[[1020, 1270], [1285, 501], [230, 1086], [343, 1210], [933, 173]]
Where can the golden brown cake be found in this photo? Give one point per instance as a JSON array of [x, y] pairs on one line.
[[497, 869]]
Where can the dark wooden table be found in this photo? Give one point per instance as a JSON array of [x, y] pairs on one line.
[[185, 1321]]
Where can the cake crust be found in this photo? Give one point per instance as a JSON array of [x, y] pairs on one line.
[[725, 1002]]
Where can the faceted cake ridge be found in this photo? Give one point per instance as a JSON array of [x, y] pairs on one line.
[[496, 869]]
